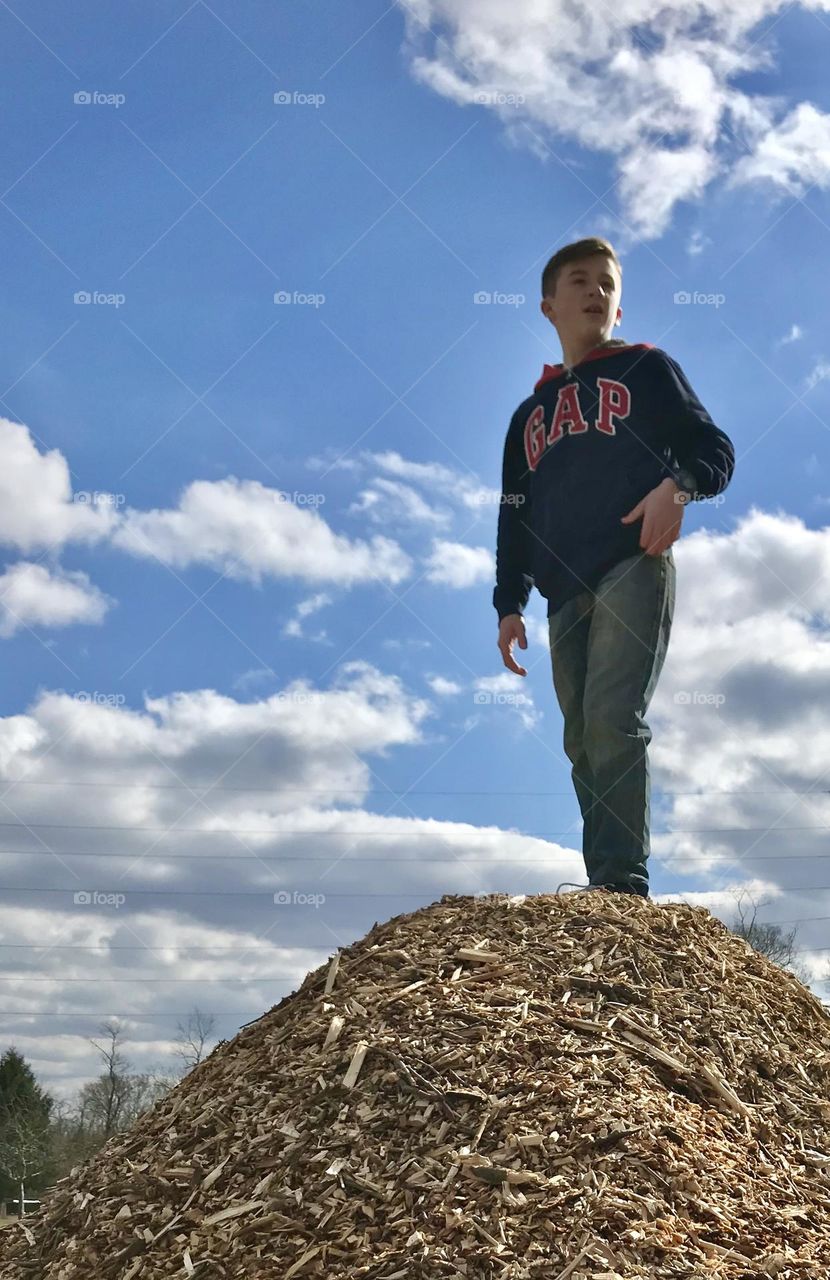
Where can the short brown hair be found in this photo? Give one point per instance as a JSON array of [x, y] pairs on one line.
[[571, 252]]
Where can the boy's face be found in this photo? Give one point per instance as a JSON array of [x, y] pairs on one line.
[[586, 303]]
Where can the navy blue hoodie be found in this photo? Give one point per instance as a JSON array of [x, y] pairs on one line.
[[584, 449]]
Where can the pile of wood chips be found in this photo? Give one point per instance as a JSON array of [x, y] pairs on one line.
[[563, 1086]]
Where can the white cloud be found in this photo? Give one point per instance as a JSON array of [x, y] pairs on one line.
[[507, 690], [239, 527], [319, 601], [453, 564], [654, 89], [33, 595], [536, 628], [442, 687], [652, 181], [792, 156], [56, 951], [504, 682], [247, 531], [819, 371], [737, 715], [697, 243], [304, 610], [36, 499], [293, 629], [458, 486], [388, 502], [432, 474], [330, 459], [740, 758], [254, 676], [406, 642], [794, 334]]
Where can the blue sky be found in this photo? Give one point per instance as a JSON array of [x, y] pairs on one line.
[[250, 488]]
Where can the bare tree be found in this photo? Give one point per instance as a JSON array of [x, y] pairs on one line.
[[102, 1107], [74, 1138], [161, 1080], [192, 1038], [768, 939], [104, 1099], [24, 1151]]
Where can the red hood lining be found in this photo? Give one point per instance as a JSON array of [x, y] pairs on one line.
[[550, 371]]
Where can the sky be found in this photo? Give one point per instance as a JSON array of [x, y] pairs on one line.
[[270, 299]]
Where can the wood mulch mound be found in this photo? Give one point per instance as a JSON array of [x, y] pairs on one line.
[[570, 1087]]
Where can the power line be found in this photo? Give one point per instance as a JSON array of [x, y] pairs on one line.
[[99, 1017], [289, 831], [541, 860], [163, 890], [802, 919], [26, 977], [99, 946], [210, 786], [192, 893]]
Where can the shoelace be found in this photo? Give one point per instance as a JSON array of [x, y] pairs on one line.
[[569, 884]]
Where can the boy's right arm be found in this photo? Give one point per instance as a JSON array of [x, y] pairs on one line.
[[514, 576]]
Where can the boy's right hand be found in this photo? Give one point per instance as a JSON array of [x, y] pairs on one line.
[[512, 628]]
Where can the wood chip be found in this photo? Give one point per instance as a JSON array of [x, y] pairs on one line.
[[234, 1211], [350, 1078], [335, 1027]]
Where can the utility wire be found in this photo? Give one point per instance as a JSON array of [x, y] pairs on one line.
[[209, 786], [541, 860], [290, 831]]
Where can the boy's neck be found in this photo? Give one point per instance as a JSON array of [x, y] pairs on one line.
[[574, 350]]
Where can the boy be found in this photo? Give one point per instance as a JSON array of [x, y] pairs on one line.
[[598, 464]]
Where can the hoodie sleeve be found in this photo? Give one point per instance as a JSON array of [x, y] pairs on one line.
[[514, 578], [696, 443]]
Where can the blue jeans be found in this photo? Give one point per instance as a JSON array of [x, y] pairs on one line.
[[607, 648]]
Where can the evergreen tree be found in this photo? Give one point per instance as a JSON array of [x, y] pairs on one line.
[[25, 1112]]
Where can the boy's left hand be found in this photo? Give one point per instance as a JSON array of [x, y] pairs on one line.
[[662, 517]]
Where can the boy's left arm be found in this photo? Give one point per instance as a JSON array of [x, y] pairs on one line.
[[698, 446], [703, 457]]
